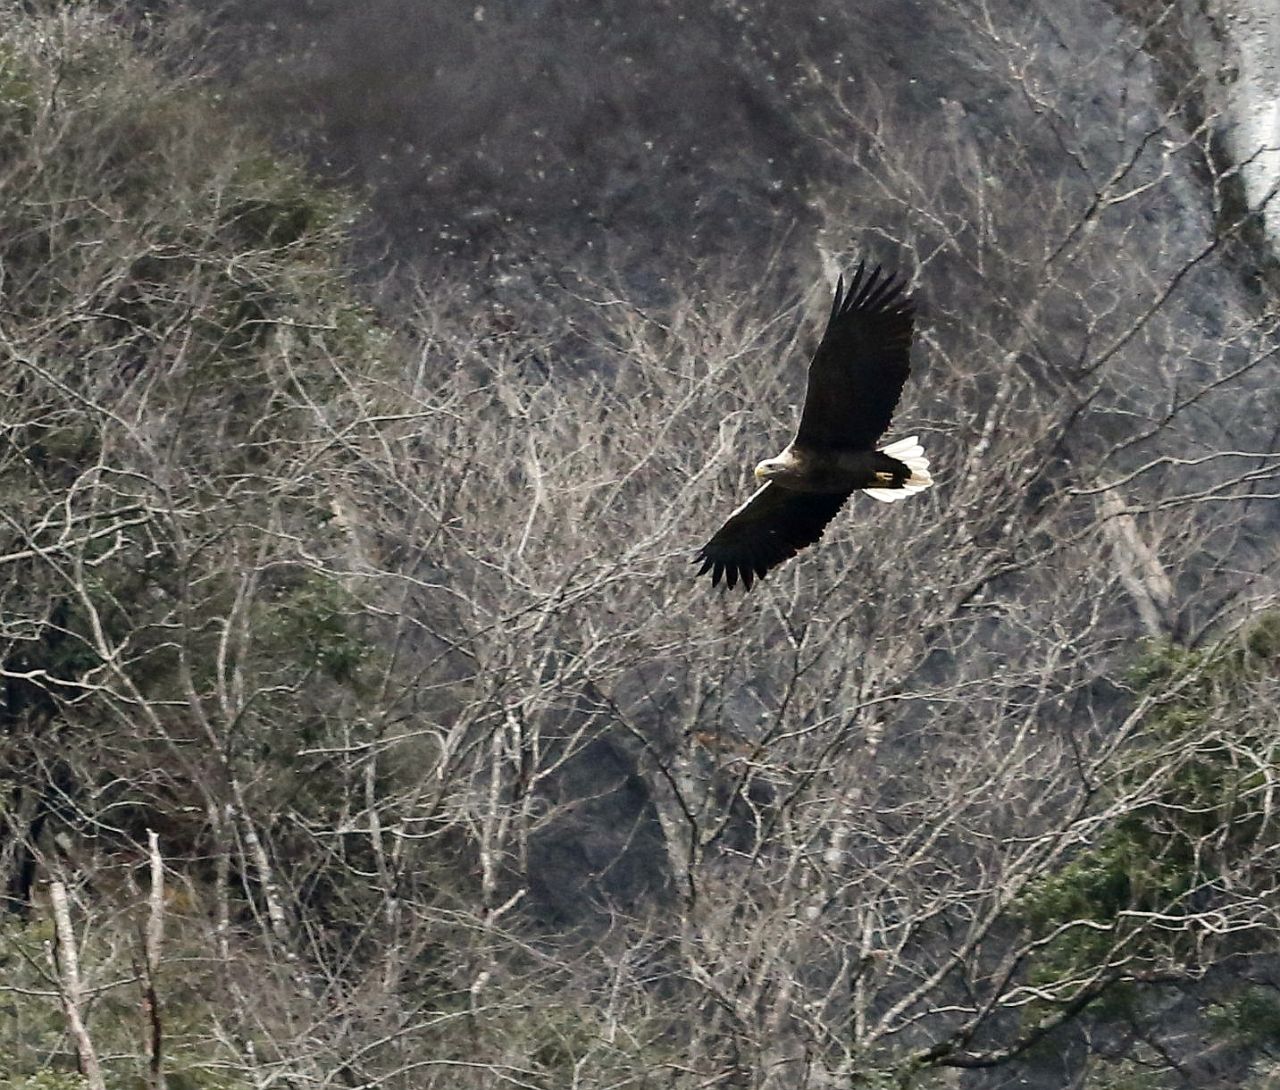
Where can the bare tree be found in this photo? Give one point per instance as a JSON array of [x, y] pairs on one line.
[[391, 641]]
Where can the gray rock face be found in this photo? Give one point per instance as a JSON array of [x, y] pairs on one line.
[[1253, 27], [1237, 43]]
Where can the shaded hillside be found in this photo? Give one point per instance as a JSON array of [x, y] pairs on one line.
[[601, 136]]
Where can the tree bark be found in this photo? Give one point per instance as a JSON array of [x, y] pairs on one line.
[[67, 964]]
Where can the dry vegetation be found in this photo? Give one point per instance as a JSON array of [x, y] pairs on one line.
[[362, 724]]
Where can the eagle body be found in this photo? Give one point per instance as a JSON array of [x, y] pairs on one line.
[[842, 471], [855, 379]]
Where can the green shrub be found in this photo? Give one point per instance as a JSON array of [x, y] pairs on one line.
[[1208, 816]]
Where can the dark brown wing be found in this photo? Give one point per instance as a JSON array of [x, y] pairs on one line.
[[772, 526], [857, 373]]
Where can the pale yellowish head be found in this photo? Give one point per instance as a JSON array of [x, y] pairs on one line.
[[788, 463]]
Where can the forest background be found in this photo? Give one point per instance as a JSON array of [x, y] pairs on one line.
[[369, 375]]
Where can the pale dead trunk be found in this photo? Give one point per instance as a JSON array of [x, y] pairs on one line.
[[67, 965], [1139, 568]]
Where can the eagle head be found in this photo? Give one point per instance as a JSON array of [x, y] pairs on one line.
[[784, 464]]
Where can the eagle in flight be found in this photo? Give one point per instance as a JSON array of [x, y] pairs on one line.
[[855, 379]]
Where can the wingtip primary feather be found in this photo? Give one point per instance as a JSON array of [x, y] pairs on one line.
[[877, 290], [719, 570]]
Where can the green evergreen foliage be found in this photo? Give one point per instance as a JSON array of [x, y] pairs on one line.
[[1250, 1017], [175, 333], [1209, 744], [152, 257], [44, 1080]]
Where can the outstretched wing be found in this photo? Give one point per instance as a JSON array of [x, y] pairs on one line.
[[857, 373], [772, 526]]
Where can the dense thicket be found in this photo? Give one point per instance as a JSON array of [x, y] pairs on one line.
[[362, 724]]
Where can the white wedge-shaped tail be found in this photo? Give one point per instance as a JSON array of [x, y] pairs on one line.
[[910, 453]]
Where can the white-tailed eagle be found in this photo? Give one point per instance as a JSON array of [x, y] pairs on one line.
[[855, 379]]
